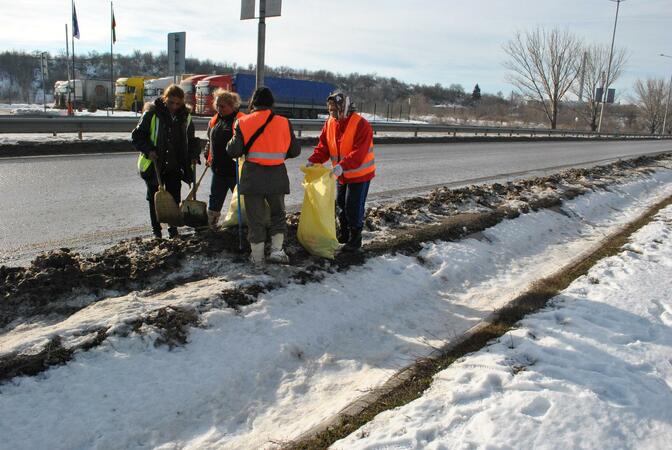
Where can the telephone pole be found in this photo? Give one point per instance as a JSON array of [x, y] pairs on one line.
[[611, 54]]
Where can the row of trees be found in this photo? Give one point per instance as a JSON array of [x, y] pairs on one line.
[[545, 66], [548, 65], [20, 72]]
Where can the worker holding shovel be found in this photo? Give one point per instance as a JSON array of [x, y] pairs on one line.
[[266, 139], [168, 147]]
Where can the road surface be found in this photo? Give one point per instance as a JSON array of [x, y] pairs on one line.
[[88, 201]]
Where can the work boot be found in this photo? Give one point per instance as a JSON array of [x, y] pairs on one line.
[[278, 255], [257, 254], [157, 234], [355, 241], [173, 233], [213, 219], [343, 234]]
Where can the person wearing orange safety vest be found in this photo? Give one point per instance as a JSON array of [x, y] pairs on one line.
[[347, 140], [266, 139], [220, 132]]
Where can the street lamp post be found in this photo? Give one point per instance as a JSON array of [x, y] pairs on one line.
[[667, 104], [611, 54]]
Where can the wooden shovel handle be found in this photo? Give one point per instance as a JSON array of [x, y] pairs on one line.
[[192, 193]]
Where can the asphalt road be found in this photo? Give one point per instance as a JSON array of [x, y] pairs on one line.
[[88, 201]]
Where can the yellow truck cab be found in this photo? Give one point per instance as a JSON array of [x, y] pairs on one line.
[[128, 93]]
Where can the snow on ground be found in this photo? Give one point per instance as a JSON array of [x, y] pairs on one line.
[[592, 370], [256, 376], [33, 108]]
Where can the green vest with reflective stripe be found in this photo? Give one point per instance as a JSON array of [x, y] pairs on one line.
[[143, 161]]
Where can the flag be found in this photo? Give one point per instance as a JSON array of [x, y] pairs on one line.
[[114, 26], [75, 25]]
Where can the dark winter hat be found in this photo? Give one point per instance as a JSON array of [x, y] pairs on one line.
[[262, 97]]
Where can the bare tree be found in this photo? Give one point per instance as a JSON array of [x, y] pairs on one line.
[[544, 65], [593, 75], [650, 99]]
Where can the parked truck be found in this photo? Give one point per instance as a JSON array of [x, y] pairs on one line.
[[154, 88], [83, 93], [301, 99], [188, 85], [128, 94]]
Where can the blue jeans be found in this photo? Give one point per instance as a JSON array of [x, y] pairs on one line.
[[218, 189], [350, 203]]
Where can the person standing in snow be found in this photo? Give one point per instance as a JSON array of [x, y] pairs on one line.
[[166, 139], [266, 140], [220, 132], [347, 140]]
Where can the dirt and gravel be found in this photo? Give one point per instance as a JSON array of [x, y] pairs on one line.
[[61, 282]]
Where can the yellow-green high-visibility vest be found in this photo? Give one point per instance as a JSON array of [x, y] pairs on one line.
[[143, 161]]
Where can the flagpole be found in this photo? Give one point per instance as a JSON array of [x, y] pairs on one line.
[[67, 60], [74, 90], [112, 54]]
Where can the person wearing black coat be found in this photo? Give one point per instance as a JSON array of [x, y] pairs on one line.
[[165, 137], [220, 131]]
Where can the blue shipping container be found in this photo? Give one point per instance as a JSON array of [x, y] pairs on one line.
[[285, 90]]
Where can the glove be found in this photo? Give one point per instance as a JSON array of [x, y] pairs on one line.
[[310, 164], [337, 171]]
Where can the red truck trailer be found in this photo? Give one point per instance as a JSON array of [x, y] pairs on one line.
[[204, 90], [188, 85]]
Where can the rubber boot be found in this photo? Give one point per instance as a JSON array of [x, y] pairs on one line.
[[173, 233], [213, 219], [278, 255], [343, 234], [257, 254], [355, 241]]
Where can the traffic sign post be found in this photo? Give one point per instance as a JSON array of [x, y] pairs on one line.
[[267, 8]]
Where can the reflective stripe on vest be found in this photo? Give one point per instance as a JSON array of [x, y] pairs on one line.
[[367, 166], [270, 148], [143, 161]]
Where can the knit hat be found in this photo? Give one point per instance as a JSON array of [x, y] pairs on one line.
[[262, 97]]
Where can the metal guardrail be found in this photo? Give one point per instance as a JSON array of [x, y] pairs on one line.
[[59, 124]]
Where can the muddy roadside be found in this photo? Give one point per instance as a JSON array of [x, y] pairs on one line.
[[55, 283]]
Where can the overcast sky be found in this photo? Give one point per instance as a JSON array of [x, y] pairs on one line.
[[418, 41]]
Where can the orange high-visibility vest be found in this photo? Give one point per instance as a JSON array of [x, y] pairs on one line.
[[337, 153], [212, 123], [270, 148]]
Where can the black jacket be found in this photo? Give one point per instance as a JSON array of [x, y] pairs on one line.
[[177, 144], [219, 135]]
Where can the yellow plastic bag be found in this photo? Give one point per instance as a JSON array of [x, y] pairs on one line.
[[231, 216], [317, 224]]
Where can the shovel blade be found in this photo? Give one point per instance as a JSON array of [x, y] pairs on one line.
[[167, 210], [194, 213]]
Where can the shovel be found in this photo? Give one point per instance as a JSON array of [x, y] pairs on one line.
[[194, 212], [164, 203]]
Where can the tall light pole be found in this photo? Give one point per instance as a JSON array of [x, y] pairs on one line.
[[667, 104], [611, 54]]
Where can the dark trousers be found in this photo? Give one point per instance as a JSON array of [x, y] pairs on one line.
[[350, 203], [173, 185], [255, 211], [219, 186]]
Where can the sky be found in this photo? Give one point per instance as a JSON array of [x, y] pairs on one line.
[[426, 42]]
